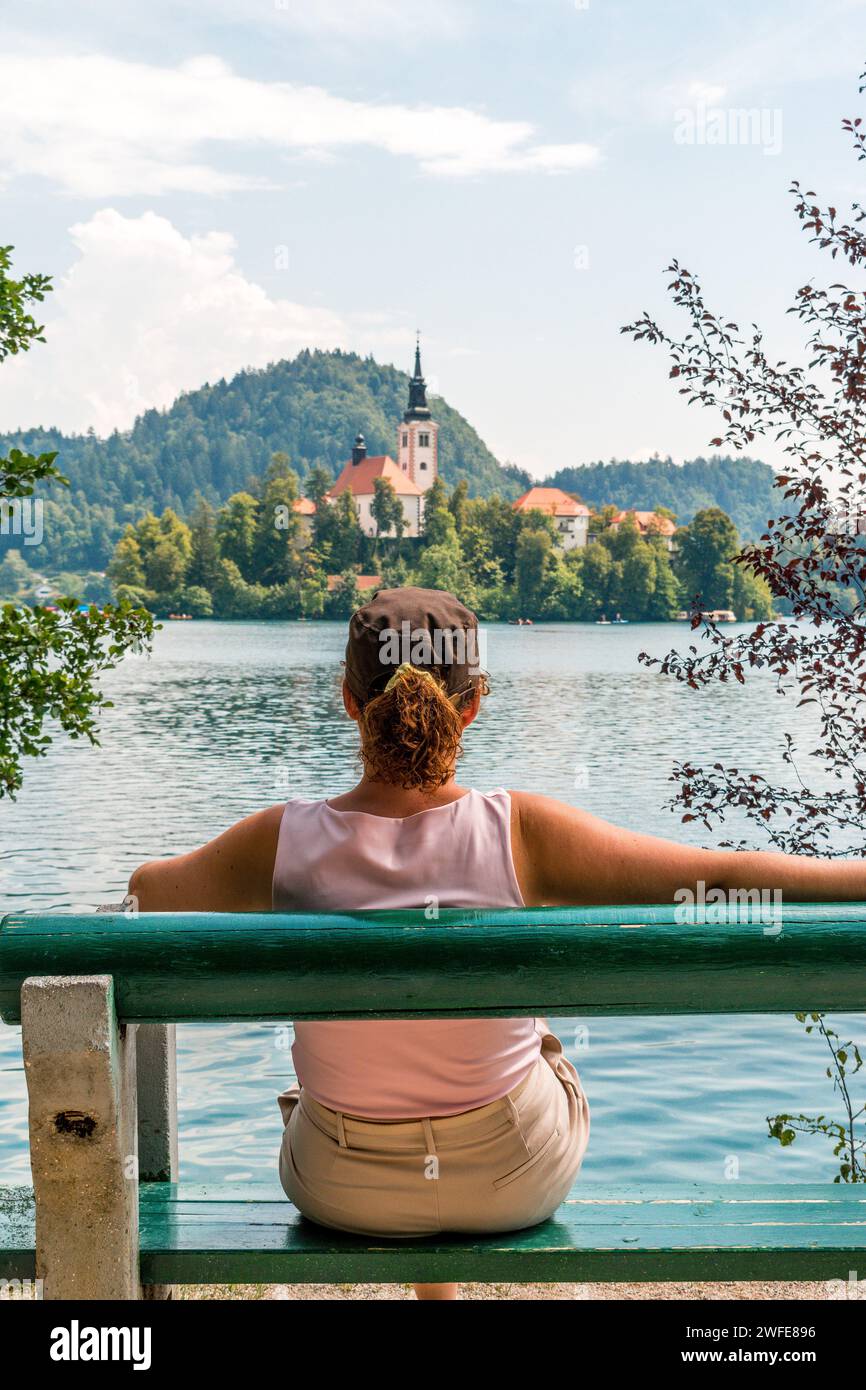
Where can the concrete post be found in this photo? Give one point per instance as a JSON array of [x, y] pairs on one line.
[[80, 1070], [157, 1102], [157, 1115]]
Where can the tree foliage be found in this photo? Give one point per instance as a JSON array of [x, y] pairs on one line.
[[211, 441], [811, 556], [49, 660], [742, 487], [244, 561]]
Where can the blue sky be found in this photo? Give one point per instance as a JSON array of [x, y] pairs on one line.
[[217, 183]]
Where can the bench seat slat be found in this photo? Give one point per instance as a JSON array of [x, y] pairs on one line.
[[593, 1194], [238, 1233]]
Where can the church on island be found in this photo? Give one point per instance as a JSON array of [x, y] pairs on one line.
[[417, 468], [414, 472]]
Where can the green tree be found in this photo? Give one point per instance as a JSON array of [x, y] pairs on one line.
[[482, 564], [458, 504], [435, 501], [126, 565], [344, 598], [236, 529], [337, 533], [706, 550], [204, 560], [317, 483], [164, 547], [234, 597], [274, 548], [49, 662], [165, 567], [387, 509], [753, 599], [197, 601], [16, 576], [313, 593], [438, 526], [596, 568], [638, 583], [536, 574], [667, 596], [440, 568]]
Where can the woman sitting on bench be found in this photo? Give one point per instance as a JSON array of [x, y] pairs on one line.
[[408, 1128]]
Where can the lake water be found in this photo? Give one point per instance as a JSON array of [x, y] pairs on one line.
[[226, 718]]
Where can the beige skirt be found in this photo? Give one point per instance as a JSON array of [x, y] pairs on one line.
[[500, 1167]]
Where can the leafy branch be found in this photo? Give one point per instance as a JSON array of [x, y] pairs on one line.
[[848, 1136], [49, 660]]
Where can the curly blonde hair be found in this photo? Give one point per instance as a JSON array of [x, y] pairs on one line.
[[412, 733]]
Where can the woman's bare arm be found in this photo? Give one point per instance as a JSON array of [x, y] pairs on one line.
[[566, 856], [232, 873]]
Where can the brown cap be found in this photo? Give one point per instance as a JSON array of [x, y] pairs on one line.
[[428, 628]]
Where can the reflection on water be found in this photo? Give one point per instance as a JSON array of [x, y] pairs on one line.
[[226, 718]]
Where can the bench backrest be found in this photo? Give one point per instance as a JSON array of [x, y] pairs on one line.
[[172, 967]]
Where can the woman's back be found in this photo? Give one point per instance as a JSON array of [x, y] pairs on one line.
[[454, 855]]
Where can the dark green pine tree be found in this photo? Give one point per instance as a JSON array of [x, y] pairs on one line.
[[204, 563], [275, 556]]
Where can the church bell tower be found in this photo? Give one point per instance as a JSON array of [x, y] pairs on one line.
[[417, 433]]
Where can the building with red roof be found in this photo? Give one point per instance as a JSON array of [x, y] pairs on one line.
[[648, 524], [365, 582], [359, 475], [570, 517], [411, 476]]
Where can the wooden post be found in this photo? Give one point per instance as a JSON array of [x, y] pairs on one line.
[[156, 1050], [80, 1069]]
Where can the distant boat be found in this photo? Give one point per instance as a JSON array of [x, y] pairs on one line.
[[602, 622], [620, 620], [180, 617]]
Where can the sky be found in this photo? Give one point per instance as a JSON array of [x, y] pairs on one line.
[[216, 184]]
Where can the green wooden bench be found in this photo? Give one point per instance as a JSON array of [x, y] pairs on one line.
[[98, 998]]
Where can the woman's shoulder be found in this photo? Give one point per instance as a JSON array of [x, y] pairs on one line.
[[534, 806]]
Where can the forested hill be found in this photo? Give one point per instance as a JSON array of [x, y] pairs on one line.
[[214, 439], [742, 487]]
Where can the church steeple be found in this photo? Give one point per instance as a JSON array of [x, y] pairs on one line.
[[418, 408], [418, 432]]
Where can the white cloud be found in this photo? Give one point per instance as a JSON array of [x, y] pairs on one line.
[[99, 127], [144, 314]]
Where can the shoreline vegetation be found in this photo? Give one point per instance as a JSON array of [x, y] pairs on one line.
[[268, 553]]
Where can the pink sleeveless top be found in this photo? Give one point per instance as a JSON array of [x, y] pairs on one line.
[[340, 861]]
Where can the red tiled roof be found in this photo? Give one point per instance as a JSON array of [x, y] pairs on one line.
[[304, 507], [360, 477], [363, 581], [647, 521], [551, 500]]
